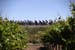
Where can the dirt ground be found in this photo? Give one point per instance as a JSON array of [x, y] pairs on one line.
[[34, 46]]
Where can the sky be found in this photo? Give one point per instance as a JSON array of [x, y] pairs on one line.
[[34, 9]]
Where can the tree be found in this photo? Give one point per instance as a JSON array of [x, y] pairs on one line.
[[36, 23]]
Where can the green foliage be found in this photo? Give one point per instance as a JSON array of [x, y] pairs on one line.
[[62, 32], [12, 36], [73, 9]]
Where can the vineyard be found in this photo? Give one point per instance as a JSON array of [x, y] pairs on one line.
[[53, 35]]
